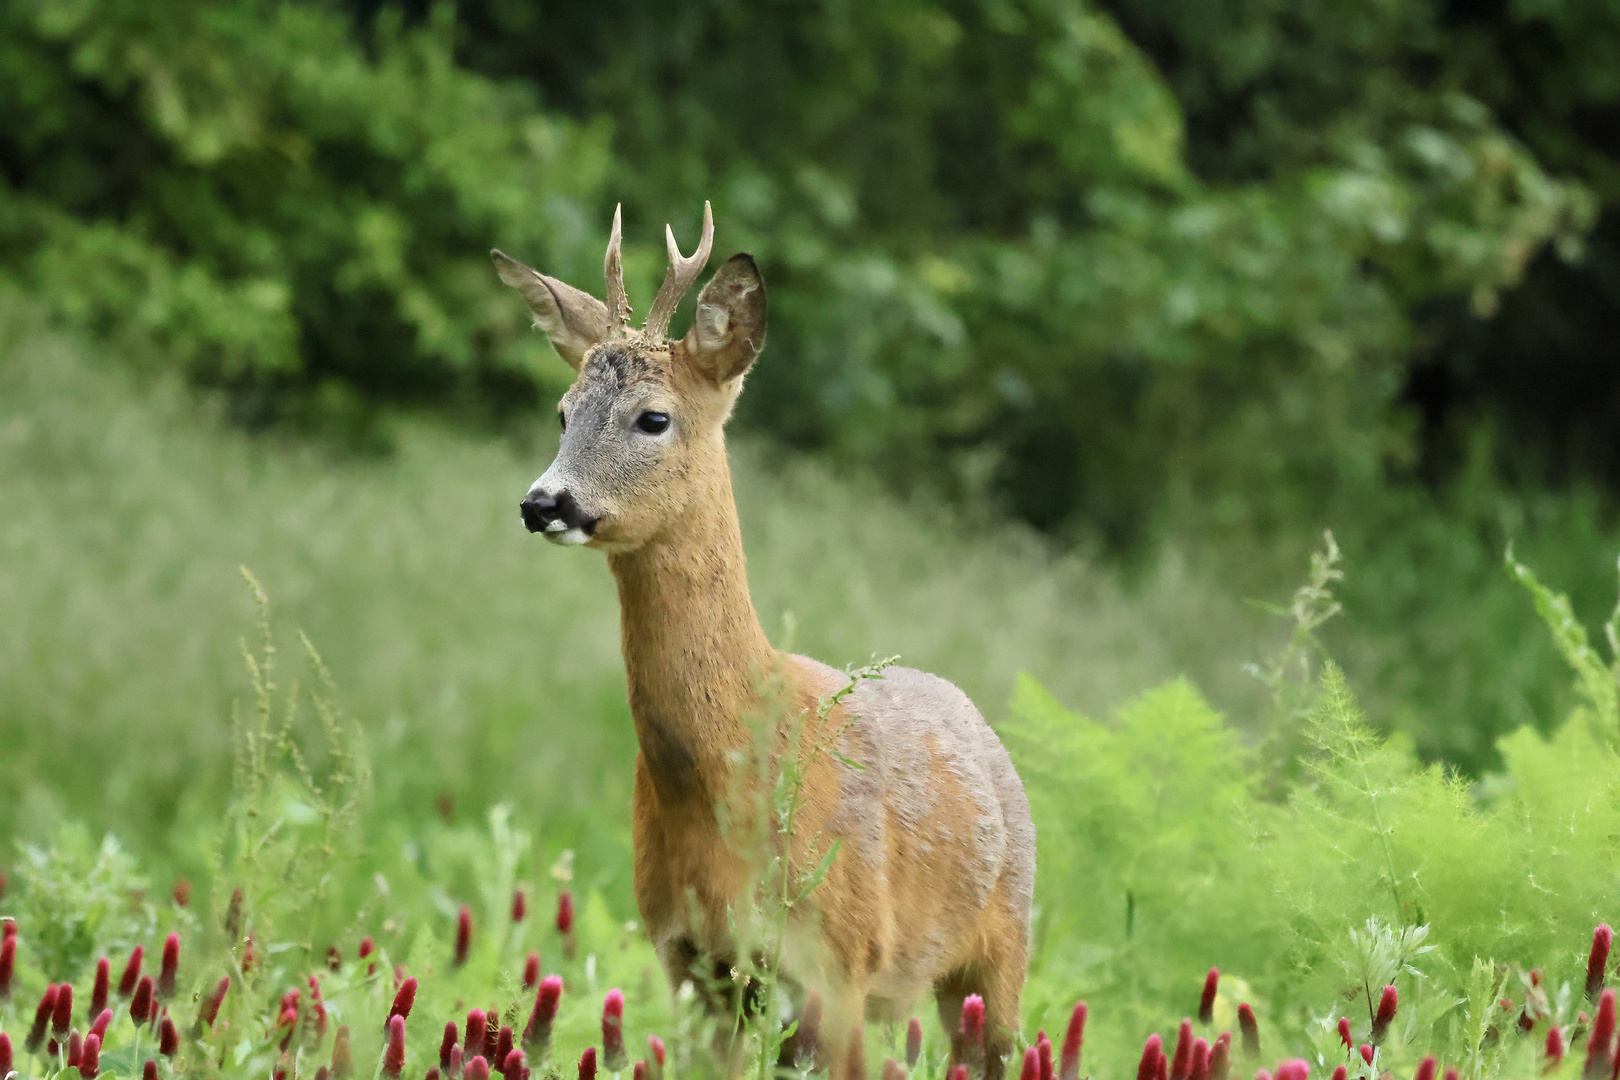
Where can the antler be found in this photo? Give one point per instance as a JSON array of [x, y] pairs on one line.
[[679, 277], [618, 304]]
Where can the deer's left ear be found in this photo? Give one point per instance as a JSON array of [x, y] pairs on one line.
[[729, 330]]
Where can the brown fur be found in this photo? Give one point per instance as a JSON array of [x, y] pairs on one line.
[[931, 889]]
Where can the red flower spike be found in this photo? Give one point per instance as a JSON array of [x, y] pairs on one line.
[[393, 1062], [285, 1022], [132, 973], [182, 892], [477, 1068], [1387, 1002], [958, 1072], [655, 1047], [537, 1035], [432, 1074], [972, 1025], [892, 1070], [1597, 961], [1600, 1047], [565, 913], [1043, 1052], [1198, 1068], [168, 1038], [98, 1027], [1344, 1033], [1452, 1074], [512, 1064], [42, 1020], [140, 1006], [492, 1039], [8, 925], [1341, 1073], [8, 961], [447, 1044], [640, 1071], [1249, 1027], [1031, 1069], [1366, 1053], [1427, 1068], [1163, 1071], [208, 1012], [404, 1000], [613, 1056], [463, 934], [1220, 1057], [1294, 1069], [90, 1058], [1151, 1053], [531, 971], [75, 1047], [473, 1044], [1181, 1063], [913, 1042], [5, 1053], [149, 1071], [62, 1015], [855, 1056], [1555, 1047], [1069, 1061], [455, 1061], [520, 905], [170, 969], [1262, 1074], [98, 991], [587, 1065], [367, 947], [1206, 1000], [503, 1050]]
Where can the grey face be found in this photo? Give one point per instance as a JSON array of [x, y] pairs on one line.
[[621, 421]]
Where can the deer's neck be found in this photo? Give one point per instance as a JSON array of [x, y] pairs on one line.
[[694, 652]]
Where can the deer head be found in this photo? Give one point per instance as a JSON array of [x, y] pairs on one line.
[[643, 422]]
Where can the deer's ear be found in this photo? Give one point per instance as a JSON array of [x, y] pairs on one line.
[[573, 320], [729, 330]]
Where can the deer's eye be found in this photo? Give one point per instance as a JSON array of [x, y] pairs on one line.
[[562, 420], [653, 423]]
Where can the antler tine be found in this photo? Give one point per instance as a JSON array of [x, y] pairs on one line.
[[678, 278], [618, 304]]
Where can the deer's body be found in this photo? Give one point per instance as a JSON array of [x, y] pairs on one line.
[[931, 888]]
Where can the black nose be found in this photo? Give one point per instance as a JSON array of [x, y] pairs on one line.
[[539, 510]]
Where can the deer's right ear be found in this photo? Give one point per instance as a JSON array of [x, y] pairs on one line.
[[572, 319]]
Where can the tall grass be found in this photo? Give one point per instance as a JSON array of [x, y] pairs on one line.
[[484, 663]]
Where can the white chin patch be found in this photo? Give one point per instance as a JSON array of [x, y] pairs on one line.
[[565, 536]]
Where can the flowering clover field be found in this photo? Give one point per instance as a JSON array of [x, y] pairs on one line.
[[1372, 917]]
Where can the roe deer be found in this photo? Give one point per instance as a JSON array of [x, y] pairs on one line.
[[931, 887]]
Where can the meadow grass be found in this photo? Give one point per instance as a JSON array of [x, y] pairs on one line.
[[483, 663]]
